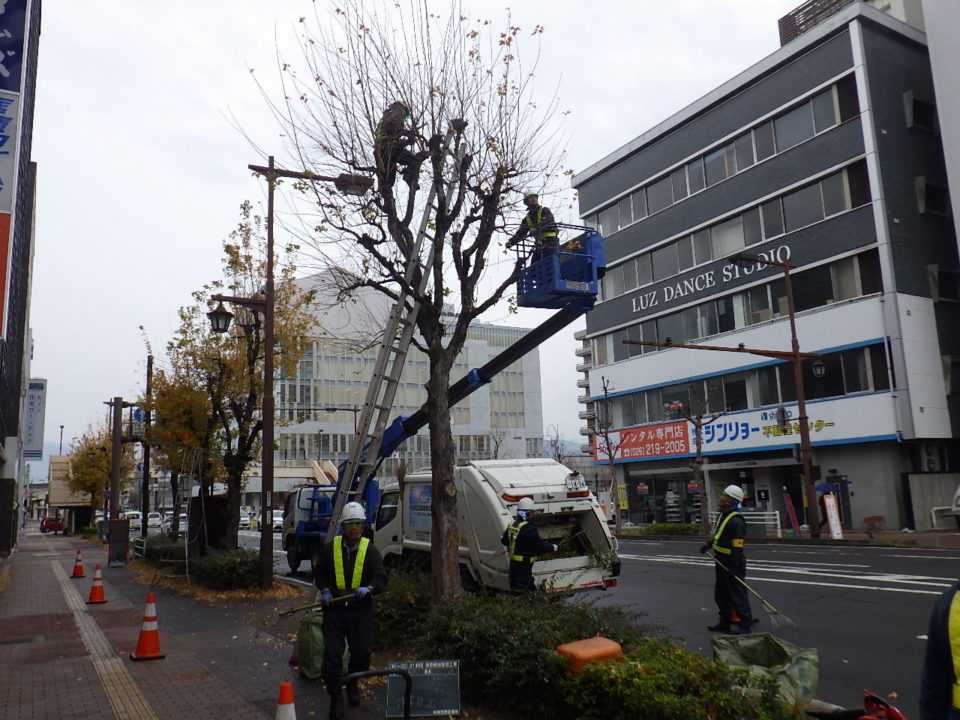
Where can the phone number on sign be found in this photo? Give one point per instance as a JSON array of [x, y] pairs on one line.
[[667, 447]]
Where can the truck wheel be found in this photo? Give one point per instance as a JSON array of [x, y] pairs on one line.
[[292, 559]]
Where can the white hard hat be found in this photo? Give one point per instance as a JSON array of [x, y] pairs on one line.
[[734, 491], [353, 512], [525, 504], [530, 193]]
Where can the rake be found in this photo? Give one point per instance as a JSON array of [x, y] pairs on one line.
[[777, 618]]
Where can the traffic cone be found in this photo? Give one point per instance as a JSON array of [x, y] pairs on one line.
[[286, 710], [78, 567], [148, 644], [96, 590]]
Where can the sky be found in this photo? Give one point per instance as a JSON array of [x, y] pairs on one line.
[[142, 170]]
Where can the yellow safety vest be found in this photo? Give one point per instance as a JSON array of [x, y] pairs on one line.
[[716, 536], [357, 565], [953, 631], [512, 532], [531, 225]]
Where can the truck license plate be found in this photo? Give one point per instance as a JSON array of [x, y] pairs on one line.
[[576, 482], [575, 285]]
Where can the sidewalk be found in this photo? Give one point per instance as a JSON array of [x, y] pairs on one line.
[[68, 660]]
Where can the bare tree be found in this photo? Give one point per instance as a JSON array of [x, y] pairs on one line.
[[496, 441], [445, 68], [609, 447], [555, 443], [696, 414]]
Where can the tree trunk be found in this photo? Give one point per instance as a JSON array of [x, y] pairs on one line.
[[444, 566]]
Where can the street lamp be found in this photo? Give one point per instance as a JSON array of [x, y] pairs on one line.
[[220, 321]]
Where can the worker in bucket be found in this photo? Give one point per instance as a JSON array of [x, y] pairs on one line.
[[523, 545], [349, 573], [730, 563], [539, 223]]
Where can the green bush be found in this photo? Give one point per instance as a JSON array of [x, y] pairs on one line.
[[401, 609], [226, 570], [87, 533], [659, 681], [159, 548], [669, 529]]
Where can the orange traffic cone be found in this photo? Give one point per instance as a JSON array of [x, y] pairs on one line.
[[286, 710], [148, 644], [78, 567], [96, 590]]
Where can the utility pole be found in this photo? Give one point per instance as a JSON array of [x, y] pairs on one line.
[[145, 442], [116, 450]]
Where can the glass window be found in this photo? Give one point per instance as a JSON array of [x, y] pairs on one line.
[[676, 401], [859, 183], [847, 102], [659, 195], [695, 175], [715, 401], [735, 391], [834, 194], [640, 407], [678, 178], [628, 417], [812, 288], [714, 167], [794, 127], [644, 271], [639, 202], [763, 140], [648, 330], [870, 280], [730, 159], [654, 406], [600, 350], [665, 262], [802, 207], [788, 385], [751, 227], [609, 219], [670, 328], [878, 367], [778, 298], [634, 332], [772, 218], [629, 276], [845, 279], [824, 114], [685, 252], [830, 385], [620, 350], [743, 147], [626, 215], [709, 324], [691, 323], [759, 304], [614, 278], [727, 237], [731, 312], [701, 246], [854, 370], [767, 385]]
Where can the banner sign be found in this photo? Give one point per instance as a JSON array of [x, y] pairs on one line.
[[34, 406], [864, 417]]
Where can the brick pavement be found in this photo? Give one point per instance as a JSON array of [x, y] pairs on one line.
[[221, 660]]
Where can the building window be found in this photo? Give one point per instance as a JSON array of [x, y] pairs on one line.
[[931, 197], [609, 219], [763, 141], [793, 128], [660, 195], [919, 113], [665, 261], [802, 207]]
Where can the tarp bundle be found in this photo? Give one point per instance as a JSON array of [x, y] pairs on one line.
[[795, 669]]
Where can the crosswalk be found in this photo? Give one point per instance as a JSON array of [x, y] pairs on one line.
[[848, 576]]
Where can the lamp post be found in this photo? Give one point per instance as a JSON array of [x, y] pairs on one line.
[[220, 319], [794, 357]]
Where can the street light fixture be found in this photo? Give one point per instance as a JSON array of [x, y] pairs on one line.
[[220, 321]]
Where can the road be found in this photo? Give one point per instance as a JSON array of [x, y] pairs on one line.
[[864, 608]]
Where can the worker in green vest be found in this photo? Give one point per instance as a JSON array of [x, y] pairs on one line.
[[539, 224], [349, 573], [523, 546], [730, 564], [939, 686]]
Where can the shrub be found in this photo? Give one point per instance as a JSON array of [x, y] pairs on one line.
[[159, 548], [87, 533], [659, 681], [226, 569], [401, 609], [669, 529]]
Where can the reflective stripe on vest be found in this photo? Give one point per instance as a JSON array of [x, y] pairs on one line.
[[512, 533], [716, 536], [953, 632], [531, 226], [357, 565]]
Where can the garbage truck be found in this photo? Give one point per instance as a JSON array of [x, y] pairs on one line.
[[565, 512]]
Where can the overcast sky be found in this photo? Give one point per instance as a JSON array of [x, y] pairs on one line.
[[141, 172]]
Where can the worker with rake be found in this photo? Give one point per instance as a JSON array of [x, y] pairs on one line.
[[730, 565]]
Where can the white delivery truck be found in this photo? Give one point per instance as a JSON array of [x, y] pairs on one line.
[[566, 513]]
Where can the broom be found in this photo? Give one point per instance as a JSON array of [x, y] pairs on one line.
[[777, 618]]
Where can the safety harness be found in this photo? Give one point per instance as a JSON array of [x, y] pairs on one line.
[[357, 565]]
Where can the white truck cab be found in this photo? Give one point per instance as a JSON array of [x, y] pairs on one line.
[[565, 512]]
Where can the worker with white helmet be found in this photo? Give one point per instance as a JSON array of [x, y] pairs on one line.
[[523, 546], [540, 224], [730, 564], [349, 571]]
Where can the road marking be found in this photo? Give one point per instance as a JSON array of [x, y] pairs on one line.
[[125, 698]]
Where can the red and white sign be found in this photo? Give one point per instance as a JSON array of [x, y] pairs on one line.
[[645, 442]]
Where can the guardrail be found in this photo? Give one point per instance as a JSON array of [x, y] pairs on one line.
[[768, 521]]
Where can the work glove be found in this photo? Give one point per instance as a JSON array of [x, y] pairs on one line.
[[704, 547], [363, 591], [554, 546], [326, 597]]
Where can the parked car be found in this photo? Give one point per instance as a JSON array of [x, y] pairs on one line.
[[167, 523], [51, 524], [135, 517], [245, 520], [277, 520], [154, 520]]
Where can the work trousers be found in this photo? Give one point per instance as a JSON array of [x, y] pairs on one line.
[[521, 577], [346, 627], [729, 593]]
